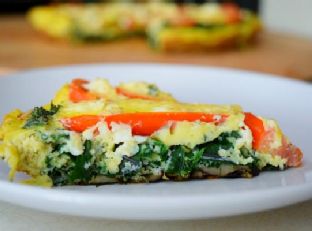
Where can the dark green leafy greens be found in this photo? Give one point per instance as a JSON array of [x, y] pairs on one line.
[[74, 169], [182, 161], [40, 116], [153, 90], [58, 174], [83, 169], [128, 168], [176, 162], [210, 150], [148, 158]]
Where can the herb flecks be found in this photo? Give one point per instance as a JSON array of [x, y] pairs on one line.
[[40, 116], [153, 90]]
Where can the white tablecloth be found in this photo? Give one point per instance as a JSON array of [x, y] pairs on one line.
[[296, 217]]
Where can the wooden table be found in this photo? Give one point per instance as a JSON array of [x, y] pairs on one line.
[[21, 47]]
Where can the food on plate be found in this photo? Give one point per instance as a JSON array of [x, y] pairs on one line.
[[80, 90], [95, 133], [167, 26], [210, 26]]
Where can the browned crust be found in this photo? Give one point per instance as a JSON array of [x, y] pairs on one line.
[[177, 45], [239, 172]]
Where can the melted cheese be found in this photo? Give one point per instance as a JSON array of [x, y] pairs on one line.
[[187, 133], [102, 88], [138, 105], [94, 107], [142, 88], [193, 133], [146, 89], [274, 160]]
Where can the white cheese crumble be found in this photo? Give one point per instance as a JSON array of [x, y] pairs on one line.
[[217, 117], [121, 132], [128, 148], [246, 138], [103, 129], [129, 167], [74, 144], [140, 139], [89, 133], [93, 107], [100, 87]]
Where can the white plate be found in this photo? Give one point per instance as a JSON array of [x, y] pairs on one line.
[[286, 100]]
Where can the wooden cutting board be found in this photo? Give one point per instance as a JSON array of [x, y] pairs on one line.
[[21, 47]]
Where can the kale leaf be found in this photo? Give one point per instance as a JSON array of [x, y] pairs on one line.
[[129, 167], [83, 170], [222, 142], [210, 149], [152, 146], [59, 175], [40, 116], [144, 161], [182, 161]]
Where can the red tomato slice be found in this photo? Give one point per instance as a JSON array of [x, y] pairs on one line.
[[143, 123], [78, 93]]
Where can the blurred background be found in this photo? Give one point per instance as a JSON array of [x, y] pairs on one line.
[[283, 45], [23, 5], [280, 15]]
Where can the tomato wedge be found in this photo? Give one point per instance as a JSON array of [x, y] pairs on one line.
[[78, 93], [143, 123], [81, 123], [257, 129], [232, 12], [133, 95]]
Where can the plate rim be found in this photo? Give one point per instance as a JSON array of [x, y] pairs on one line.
[[264, 75]]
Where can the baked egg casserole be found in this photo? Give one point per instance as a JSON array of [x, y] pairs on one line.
[[167, 26], [96, 133]]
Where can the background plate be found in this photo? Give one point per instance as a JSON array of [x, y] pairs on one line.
[[286, 100]]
